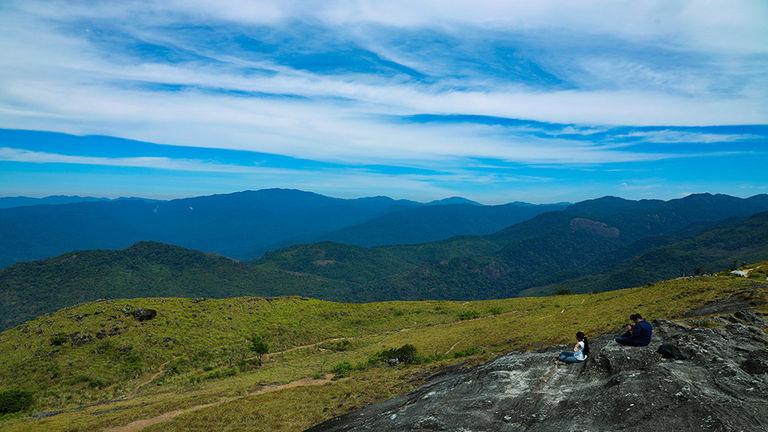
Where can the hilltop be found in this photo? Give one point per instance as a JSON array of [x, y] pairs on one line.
[[22, 201], [98, 365], [146, 269]]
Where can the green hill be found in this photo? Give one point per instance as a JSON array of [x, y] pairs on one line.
[[726, 246], [583, 239], [191, 367], [145, 269]]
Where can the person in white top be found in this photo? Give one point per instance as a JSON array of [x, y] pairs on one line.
[[580, 350]]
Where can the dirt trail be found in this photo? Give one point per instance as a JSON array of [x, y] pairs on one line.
[[161, 368], [138, 425], [156, 375], [301, 347]]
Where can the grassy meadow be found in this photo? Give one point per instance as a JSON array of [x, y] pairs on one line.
[[192, 367]]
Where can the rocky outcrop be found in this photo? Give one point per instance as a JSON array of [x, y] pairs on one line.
[[144, 314], [77, 339], [690, 378]]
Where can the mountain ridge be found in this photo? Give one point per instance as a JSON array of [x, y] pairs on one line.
[[241, 225], [531, 257]]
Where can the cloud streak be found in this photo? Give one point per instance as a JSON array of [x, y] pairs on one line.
[[339, 81]]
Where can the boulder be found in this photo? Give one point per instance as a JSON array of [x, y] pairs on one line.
[[144, 314], [671, 351]]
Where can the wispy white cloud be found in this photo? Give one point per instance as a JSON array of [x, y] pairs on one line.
[[11, 154], [65, 67], [676, 136]]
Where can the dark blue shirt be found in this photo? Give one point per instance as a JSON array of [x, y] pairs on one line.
[[642, 332]]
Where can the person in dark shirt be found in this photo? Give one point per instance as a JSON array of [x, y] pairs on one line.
[[638, 334]]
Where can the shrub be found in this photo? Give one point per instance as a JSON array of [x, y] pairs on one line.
[[564, 291], [259, 347], [406, 354], [58, 339], [495, 310], [468, 315], [14, 400], [342, 369]]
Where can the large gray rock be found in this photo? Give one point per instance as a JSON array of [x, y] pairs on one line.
[[719, 387]]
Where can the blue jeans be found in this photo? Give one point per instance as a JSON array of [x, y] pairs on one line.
[[568, 357], [630, 341]]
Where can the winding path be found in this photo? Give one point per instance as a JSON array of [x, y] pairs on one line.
[[138, 425]]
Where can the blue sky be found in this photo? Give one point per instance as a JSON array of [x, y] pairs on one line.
[[493, 100]]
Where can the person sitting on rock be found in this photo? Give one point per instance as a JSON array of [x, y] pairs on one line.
[[638, 334], [580, 350]]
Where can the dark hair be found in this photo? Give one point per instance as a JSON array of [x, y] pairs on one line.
[[635, 316], [583, 338]]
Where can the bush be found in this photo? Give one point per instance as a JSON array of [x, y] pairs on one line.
[[58, 339], [343, 369], [14, 400], [468, 315], [495, 310], [406, 354], [564, 291], [259, 347]]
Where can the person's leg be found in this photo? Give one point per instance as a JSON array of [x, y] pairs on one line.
[[567, 357], [627, 341]]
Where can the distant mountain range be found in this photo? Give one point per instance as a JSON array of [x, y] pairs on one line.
[[435, 222], [586, 238], [21, 201], [599, 244], [240, 225]]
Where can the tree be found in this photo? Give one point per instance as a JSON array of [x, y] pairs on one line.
[[14, 400], [259, 347]]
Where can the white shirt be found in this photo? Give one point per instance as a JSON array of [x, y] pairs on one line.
[[579, 353]]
